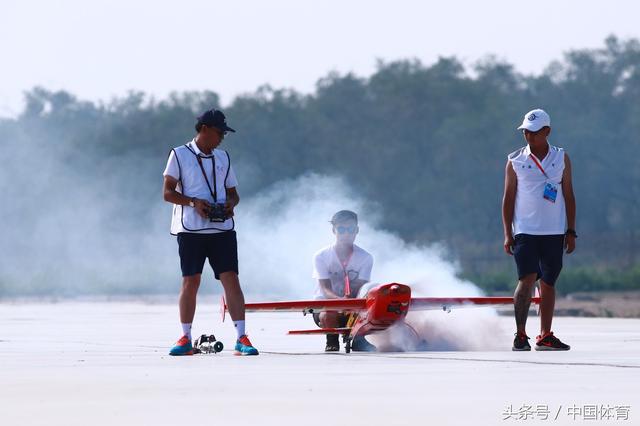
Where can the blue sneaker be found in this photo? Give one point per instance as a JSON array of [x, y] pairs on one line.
[[182, 347], [244, 347]]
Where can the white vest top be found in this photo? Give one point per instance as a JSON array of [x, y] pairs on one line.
[[193, 184], [533, 214]]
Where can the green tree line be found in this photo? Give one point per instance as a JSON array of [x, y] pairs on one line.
[[427, 143]]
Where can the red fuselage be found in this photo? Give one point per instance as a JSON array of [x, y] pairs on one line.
[[385, 305]]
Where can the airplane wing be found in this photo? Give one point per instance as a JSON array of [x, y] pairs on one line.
[[445, 303], [338, 330], [308, 306], [304, 306]]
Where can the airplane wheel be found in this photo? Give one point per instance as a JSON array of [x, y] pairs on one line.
[[347, 346], [218, 347]]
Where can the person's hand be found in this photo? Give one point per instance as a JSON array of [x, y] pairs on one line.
[[569, 243], [332, 295], [228, 208], [508, 244], [202, 206]]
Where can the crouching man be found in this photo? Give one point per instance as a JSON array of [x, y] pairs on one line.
[[341, 270]]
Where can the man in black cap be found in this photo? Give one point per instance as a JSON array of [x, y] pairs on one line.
[[341, 270], [200, 182]]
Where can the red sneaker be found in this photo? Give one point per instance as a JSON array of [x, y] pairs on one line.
[[550, 343]]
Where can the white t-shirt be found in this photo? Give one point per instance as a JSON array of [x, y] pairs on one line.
[[183, 166], [327, 266], [173, 170]]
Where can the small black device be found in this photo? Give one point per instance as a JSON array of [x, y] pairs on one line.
[[216, 213], [207, 345]]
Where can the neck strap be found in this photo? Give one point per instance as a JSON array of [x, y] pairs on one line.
[[537, 162], [199, 157]]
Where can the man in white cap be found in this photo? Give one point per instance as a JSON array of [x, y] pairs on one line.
[[341, 270], [539, 216]]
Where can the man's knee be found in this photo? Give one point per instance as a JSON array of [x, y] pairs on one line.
[[230, 277], [329, 319], [230, 283], [191, 282], [544, 286], [528, 280]]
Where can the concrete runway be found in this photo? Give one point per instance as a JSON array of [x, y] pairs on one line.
[[107, 364]]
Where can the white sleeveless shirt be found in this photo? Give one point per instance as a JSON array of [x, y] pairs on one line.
[[534, 214], [183, 165]]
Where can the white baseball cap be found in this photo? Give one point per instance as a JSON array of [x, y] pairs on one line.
[[535, 120]]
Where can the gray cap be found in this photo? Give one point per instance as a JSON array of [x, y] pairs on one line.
[[343, 216]]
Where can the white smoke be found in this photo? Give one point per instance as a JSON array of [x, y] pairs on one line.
[[281, 229], [71, 234]]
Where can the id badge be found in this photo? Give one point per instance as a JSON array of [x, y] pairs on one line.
[[550, 192]]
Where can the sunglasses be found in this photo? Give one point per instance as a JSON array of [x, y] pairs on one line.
[[220, 133], [527, 131], [346, 229]]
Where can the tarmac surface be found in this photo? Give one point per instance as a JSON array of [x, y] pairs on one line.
[[107, 364]]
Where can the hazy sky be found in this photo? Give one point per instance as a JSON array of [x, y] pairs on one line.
[[100, 48]]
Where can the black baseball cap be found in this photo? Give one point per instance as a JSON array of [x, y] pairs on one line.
[[343, 216], [214, 118]]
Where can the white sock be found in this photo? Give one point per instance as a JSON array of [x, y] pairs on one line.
[[239, 325], [186, 330]]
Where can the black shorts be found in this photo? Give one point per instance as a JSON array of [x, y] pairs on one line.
[[539, 254], [221, 249], [342, 320]]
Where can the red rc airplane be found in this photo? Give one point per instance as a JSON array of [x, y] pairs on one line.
[[384, 305]]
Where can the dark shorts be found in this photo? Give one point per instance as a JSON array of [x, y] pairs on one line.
[[221, 249], [342, 320], [539, 254]]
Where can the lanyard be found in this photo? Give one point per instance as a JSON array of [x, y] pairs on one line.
[[535, 160], [347, 286], [214, 193]]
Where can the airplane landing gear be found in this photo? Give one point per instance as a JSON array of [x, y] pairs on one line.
[[347, 343]]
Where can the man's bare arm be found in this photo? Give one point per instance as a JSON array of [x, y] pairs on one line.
[[172, 196], [508, 206], [355, 286], [325, 287], [570, 203], [233, 199]]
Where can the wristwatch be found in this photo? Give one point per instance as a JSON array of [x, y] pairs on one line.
[[192, 202], [571, 232]]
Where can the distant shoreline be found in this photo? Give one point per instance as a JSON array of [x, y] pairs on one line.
[[623, 304]]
